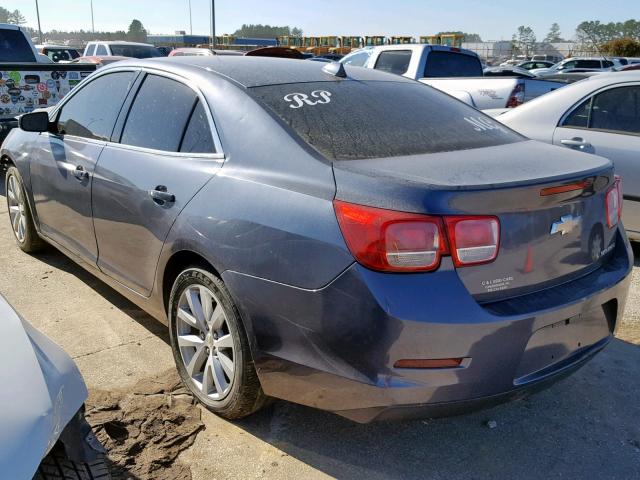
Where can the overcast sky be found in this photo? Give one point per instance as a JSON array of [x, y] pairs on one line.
[[492, 19]]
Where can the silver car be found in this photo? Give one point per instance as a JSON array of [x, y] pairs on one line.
[[598, 115], [43, 431]]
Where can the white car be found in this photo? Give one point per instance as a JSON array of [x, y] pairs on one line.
[[598, 115], [43, 429], [120, 48], [580, 64]]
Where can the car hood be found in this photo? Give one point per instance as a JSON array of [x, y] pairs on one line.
[[42, 390]]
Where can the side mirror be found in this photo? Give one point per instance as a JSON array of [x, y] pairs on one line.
[[34, 122]]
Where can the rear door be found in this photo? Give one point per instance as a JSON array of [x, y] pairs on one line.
[[608, 124], [62, 163], [167, 150]]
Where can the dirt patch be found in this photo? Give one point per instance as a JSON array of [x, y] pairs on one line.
[[145, 428]]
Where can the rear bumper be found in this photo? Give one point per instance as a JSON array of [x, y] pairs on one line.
[[335, 348]]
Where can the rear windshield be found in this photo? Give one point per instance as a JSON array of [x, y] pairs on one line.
[[350, 120], [135, 51], [14, 47], [451, 64]]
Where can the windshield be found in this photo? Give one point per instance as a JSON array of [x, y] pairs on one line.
[[14, 47], [452, 64], [135, 51], [350, 120]]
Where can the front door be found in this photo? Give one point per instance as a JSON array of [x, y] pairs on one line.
[[165, 155], [63, 162]]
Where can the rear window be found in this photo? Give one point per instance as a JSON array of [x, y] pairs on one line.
[[450, 64], [134, 51], [14, 47], [349, 120]]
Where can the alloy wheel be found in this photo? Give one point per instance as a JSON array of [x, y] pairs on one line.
[[17, 214], [205, 341]]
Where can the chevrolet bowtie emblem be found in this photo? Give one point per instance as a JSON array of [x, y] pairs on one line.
[[566, 224]]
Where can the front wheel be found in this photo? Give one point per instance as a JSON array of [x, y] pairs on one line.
[[210, 346], [22, 225]]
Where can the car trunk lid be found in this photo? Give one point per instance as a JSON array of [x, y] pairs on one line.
[[549, 235]]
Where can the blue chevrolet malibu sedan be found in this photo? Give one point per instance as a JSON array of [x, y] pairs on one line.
[[344, 239]]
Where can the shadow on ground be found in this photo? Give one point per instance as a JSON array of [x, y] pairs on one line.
[[583, 427]]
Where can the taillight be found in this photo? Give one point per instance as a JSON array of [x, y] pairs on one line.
[[613, 202], [517, 96], [474, 240], [391, 241]]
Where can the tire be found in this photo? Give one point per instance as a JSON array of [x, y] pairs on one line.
[[56, 466], [231, 396], [26, 236]]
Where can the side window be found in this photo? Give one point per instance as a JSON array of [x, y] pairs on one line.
[[159, 114], [357, 59], [197, 137], [568, 65], [579, 118], [394, 61], [101, 50], [91, 48], [588, 64], [607, 64], [92, 111], [617, 109]]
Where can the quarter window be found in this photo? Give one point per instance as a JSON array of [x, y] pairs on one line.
[[159, 114], [92, 111], [394, 61], [197, 137]]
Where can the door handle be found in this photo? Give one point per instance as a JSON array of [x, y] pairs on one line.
[[161, 196], [80, 173], [576, 142]]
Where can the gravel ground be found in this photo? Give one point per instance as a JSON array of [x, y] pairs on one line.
[[585, 426]]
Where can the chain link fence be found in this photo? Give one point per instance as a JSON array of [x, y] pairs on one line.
[[496, 52]]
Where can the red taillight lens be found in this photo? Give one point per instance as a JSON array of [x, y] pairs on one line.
[[474, 240], [517, 96], [390, 241], [387, 240], [613, 203]]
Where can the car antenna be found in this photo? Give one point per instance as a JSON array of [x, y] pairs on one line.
[[336, 69]]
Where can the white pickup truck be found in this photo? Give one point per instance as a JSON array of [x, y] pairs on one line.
[[28, 79], [455, 71]]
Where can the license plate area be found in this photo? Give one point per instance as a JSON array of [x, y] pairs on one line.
[[559, 340]]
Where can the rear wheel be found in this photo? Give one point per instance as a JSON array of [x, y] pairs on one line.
[[210, 346], [22, 225]]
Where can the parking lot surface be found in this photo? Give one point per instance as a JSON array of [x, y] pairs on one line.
[[586, 426]]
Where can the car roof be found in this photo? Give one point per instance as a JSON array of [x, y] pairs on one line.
[[260, 71], [120, 42], [422, 46]]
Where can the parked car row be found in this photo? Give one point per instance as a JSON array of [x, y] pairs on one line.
[[344, 238], [455, 71]]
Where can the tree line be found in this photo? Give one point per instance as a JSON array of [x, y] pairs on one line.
[[613, 38]]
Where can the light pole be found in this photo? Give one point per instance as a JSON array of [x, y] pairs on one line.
[[190, 19], [93, 26], [39, 28], [213, 23]]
